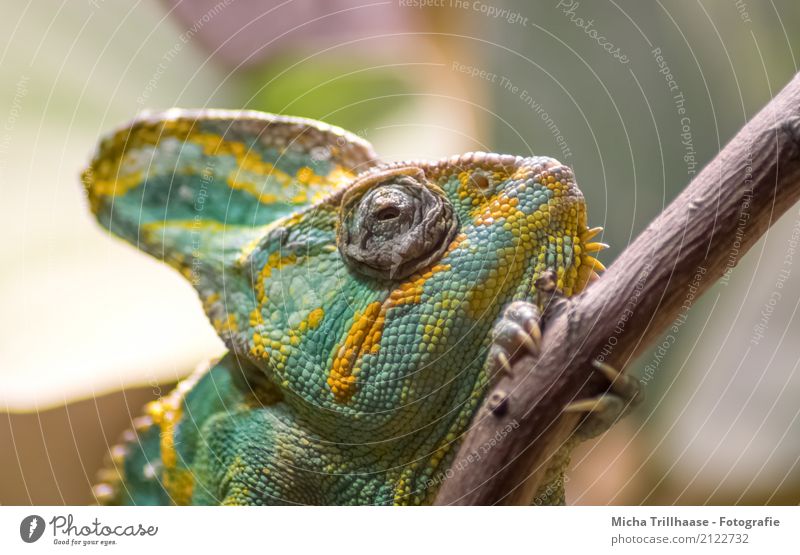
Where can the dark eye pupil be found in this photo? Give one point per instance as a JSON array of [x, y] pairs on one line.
[[387, 213]]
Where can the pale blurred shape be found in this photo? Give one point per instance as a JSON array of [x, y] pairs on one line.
[[249, 33], [735, 419], [84, 313]]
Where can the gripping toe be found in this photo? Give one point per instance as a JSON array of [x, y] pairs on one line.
[[516, 332], [604, 410]]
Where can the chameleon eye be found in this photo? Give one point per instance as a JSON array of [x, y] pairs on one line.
[[394, 223]]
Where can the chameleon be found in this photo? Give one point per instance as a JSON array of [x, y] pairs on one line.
[[366, 306]]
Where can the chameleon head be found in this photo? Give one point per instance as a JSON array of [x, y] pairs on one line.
[[365, 292], [401, 220], [427, 256]]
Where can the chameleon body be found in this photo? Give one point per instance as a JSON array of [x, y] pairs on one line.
[[357, 300]]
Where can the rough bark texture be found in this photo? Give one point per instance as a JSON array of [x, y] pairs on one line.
[[702, 234]]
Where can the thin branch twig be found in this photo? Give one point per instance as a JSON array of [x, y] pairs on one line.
[[698, 238]]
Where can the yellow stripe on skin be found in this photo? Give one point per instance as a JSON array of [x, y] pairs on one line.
[[226, 326], [245, 252], [109, 187], [315, 318], [274, 262], [365, 334], [150, 228], [106, 177], [166, 413]]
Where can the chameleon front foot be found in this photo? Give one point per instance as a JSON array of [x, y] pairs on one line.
[[605, 409], [517, 332]]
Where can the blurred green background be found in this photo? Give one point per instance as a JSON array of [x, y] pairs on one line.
[[92, 329]]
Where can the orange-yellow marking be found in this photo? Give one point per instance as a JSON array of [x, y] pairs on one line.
[[108, 176], [274, 262], [226, 326], [166, 413], [364, 335]]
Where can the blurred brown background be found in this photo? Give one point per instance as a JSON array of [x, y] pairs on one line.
[[92, 327]]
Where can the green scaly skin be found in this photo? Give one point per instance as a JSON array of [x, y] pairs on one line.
[[339, 387]]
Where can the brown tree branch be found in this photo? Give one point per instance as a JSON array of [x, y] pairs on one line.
[[695, 241]]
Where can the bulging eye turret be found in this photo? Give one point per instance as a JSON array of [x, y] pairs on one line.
[[394, 223]]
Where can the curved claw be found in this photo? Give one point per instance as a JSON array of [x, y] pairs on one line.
[[622, 384], [502, 359], [535, 333], [607, 370], [526, 340], [592, 404]]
